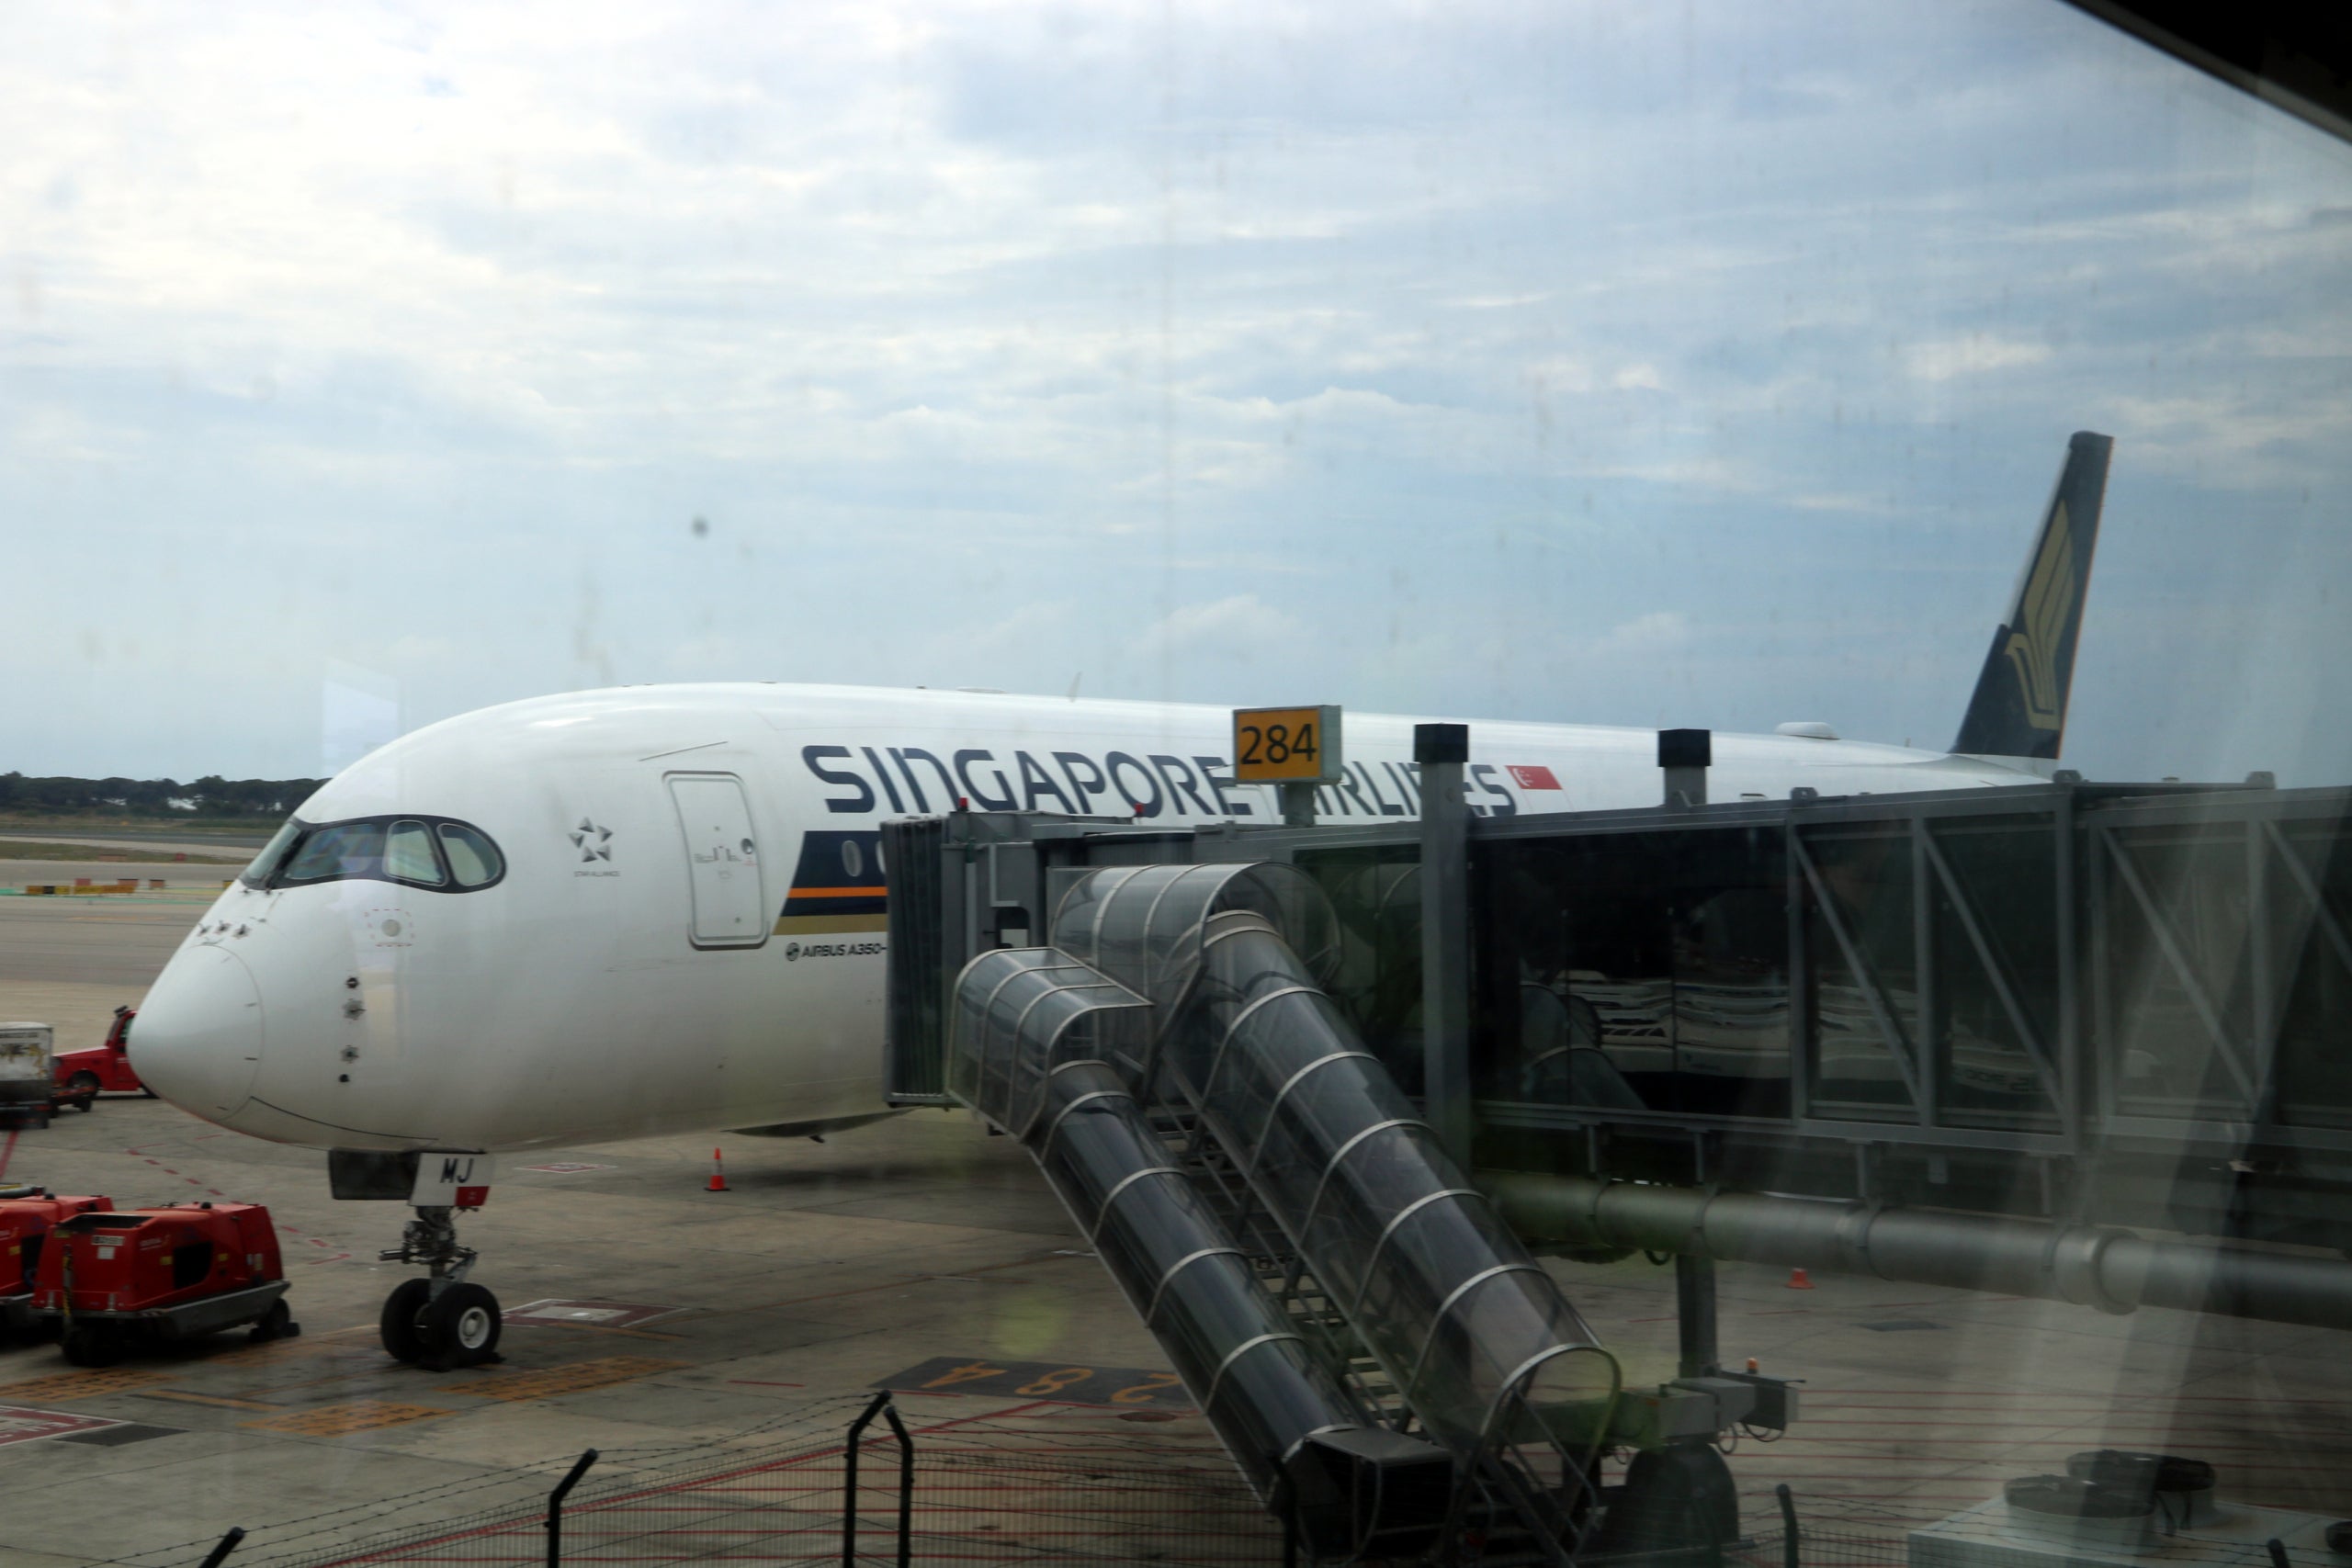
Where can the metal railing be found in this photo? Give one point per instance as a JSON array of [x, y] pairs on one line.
[[1358, 1223]]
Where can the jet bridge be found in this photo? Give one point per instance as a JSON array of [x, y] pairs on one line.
[[1958, 1038], [1381, 1356]]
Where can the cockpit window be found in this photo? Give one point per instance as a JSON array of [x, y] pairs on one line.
[[334, 851], [473, 859], [257, 874], [408, 855], [430, 853]]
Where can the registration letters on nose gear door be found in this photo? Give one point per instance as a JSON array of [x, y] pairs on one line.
[[451, 1181]]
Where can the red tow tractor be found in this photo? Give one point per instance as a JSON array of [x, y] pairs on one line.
[[27, 1216], [117, 1281], [82, 1074]]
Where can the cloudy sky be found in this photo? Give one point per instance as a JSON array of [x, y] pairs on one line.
[[1703, 364]]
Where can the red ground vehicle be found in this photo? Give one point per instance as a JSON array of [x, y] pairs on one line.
[[113, 1283], [27, 1216], [82, 1074]]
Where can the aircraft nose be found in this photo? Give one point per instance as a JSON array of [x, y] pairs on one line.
[[200, 1036]]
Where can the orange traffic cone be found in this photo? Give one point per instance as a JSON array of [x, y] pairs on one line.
[[717, 1173], [1797, 1281]]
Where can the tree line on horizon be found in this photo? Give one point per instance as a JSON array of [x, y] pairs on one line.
[[211, 795]]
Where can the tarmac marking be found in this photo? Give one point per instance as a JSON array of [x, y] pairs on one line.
[[886, 1285], [185, 1397], [608, 1328], [1043, 1380], [82, 1384], [273, 1350], [335, 1420], [577, 1313], [18, 1425], [577, 1378]]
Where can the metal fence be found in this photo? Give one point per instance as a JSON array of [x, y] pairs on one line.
[[1062, 1485], [827, 1485]]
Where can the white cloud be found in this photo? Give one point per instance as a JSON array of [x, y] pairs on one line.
[[1240, 626], [1657, 631], [1972, 355]]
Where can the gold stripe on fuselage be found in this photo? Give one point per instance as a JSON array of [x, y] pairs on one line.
[[822, 925]]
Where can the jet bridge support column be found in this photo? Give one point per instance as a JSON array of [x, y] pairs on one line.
[[1441, 750], [1694, 1316]]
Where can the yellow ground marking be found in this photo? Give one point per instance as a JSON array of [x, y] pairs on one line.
[[87, 1384], [577, 1378], [277, 1350], [335, 1420], [185, 1397]]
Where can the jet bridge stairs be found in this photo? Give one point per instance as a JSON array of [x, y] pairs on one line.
[[1392, 1372]]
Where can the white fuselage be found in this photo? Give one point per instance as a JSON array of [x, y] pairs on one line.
[[687, 931]]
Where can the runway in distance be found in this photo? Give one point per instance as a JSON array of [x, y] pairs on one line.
[[660, 909]]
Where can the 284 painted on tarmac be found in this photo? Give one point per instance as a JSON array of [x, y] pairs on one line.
[[1131, 1388]]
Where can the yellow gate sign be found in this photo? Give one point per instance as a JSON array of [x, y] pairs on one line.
[[1287, 745]]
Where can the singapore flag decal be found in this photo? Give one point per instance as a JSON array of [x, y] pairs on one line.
[[1531, 778]]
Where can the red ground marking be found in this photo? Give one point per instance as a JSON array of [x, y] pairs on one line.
[[20, 1425]]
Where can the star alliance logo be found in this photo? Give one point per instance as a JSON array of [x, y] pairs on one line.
[[591, 842]]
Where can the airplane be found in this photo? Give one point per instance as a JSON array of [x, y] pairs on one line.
[[653, 909]]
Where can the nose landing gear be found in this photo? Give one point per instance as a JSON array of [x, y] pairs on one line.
[[440, 1321]]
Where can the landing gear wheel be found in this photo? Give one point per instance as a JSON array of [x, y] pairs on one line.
[[85, 1087], [87, 1345], [403, 1340], [277, 1323], [460, 1327]]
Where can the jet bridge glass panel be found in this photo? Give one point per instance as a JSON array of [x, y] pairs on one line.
[[2307, 904], [1374, 893], [1995, 960], [1652, 970], [2225, 968], [1637, 971]]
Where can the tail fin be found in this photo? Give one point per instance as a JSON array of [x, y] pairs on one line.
[[2019, 708]]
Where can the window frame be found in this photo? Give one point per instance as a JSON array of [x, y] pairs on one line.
[[439, 827], [275, 878]]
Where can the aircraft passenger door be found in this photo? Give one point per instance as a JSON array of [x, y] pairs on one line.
[[722, 859]]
